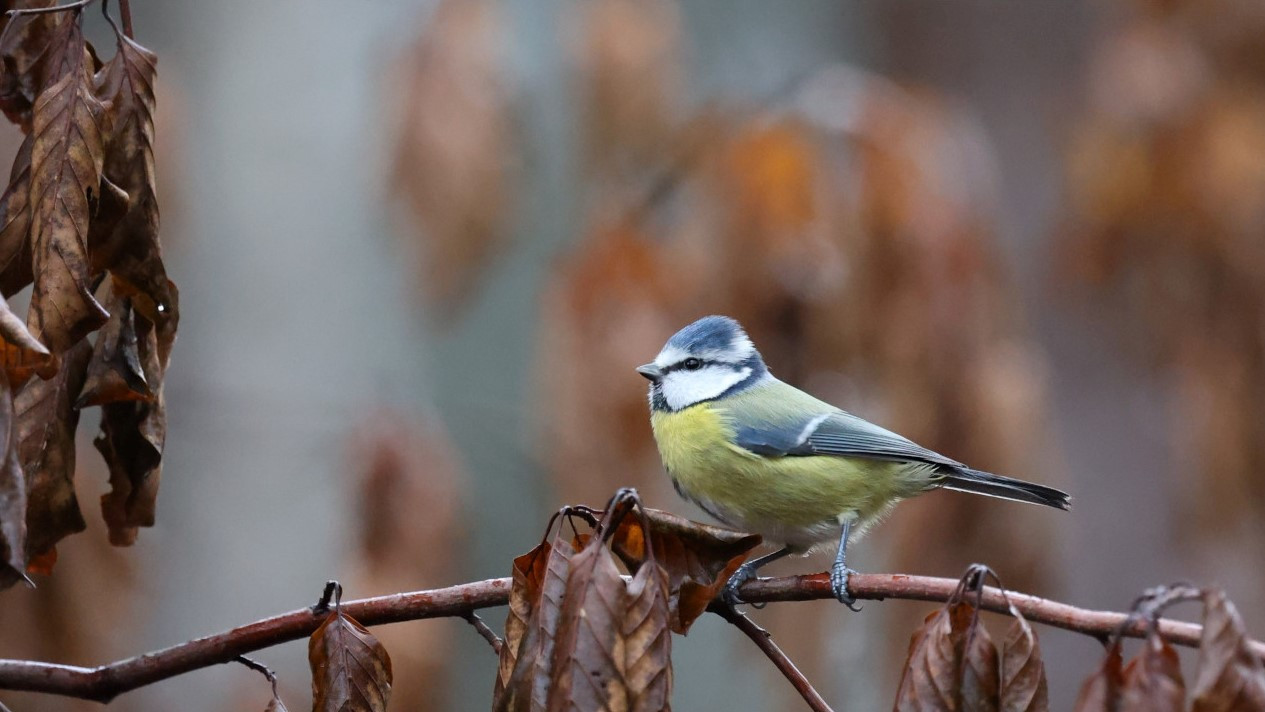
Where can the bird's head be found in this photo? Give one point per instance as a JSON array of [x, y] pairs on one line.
[[709, 359]]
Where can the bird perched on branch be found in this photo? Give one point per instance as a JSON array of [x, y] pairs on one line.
[[765, 457]]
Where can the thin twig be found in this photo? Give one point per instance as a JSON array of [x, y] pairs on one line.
[[266, 672], [488, 634], [106, 682], [765, 643], [76, 6], [125, 11]]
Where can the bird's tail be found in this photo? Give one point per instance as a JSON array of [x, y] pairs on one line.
[[985, 483]]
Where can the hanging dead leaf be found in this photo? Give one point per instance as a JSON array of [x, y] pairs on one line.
[[115, 373], [1101, 691], [699, 559], [351, 671], [528, 685], [526, 581], [46, 422], [15, 224], [647, 634], [980, 674], [24, 49], [932, 672], [66, 162], [1023, 682], [133, 435], [132, 250], [587, 670], [1153, 680], [1229, 676]]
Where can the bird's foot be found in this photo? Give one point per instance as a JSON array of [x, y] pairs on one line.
[[730, 594], [839, 587]]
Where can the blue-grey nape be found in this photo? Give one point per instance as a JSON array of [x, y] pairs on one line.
[[709, 333]]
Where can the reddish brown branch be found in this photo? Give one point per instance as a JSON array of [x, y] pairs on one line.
[[765, 643], [108, 681]]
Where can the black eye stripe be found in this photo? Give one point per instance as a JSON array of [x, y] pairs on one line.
[[703, 363]]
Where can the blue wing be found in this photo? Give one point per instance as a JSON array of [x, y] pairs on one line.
[[835, 433]]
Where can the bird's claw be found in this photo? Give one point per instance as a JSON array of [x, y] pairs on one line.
[[730, 594], [839, 587]]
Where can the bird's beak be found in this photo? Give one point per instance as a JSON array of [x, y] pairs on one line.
[[651, 372]]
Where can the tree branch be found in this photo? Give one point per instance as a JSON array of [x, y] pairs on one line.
[[765, 643], [106, 682]]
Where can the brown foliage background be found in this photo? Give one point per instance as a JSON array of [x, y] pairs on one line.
[[1025, 235]]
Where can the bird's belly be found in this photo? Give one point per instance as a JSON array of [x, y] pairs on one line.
[[798, 501]]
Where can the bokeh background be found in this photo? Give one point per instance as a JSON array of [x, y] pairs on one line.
[[422, 243]]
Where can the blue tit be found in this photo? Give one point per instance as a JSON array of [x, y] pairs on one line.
[[765, 457]]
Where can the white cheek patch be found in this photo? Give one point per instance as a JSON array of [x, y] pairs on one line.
[[682, 389]]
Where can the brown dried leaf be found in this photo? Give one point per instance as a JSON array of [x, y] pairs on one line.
[[12, 496], [46, 423], [115, 373], [527, 580], [647, 634], [26, 44], [699, 559], [528, 686], [1153, 680], [66, 162], [351, 671], [1023, 682], [15, 224], [1101, 691], [933, 670], [1229, 676], [133, 435], [980, 673], [131, 250], [587, 671]]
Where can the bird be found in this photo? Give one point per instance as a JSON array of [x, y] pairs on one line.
[[762, 456]]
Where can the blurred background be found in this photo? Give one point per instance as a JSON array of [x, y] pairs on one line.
[[421, 244]]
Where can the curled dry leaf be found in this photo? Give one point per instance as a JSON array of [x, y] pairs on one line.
[[933, 670], [128, 242], [46, 422], [1153, 680], [22, 53], [133, 432], [66, 161], [980, 674], [1023, 683], [526, 581], [587, 672], [351, 671], [698, 559], [527, 688], [647, 638], [15, 224], [1101, 691], [1229, 676], [115, 373]]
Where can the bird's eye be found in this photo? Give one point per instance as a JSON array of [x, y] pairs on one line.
[[691, 364]]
